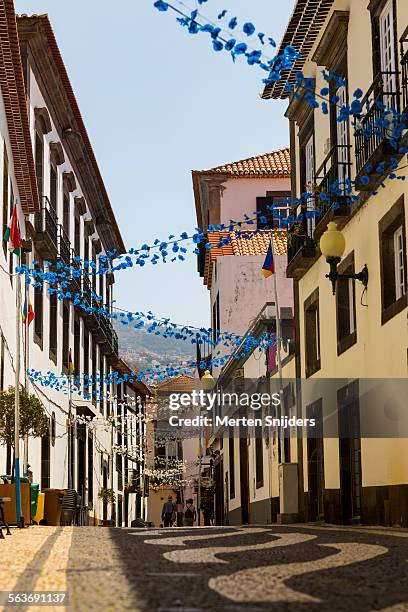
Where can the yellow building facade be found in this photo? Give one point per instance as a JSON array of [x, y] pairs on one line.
[[348, 342]]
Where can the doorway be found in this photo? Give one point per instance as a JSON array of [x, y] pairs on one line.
[[350, 453], [219, 492], [244, 476], [315, 463]]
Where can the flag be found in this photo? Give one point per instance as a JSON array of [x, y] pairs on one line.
[[269, 264], [71, 364], [12, 234], [28, 312]]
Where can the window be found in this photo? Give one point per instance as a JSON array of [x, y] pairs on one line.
[[101, 382], [216, 318], [272, 209], [309, 180], [53, 327], [93, 371], [231, 448], [387, 51], [90, 468], [77, 236], [66, 215], [39, 314], [53, 188], [53, 429], [77, 337], [393, 258], [312, 333], [86, 361], [65, 338], [5, 197], [39, 163], [399, 263], [346, 307], [45, 460], [259, 458], [86, 244]]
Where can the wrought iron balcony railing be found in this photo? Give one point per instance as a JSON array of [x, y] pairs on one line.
[[64, 246], [332, 177], [76, 279], [370, 135], [46, 222]]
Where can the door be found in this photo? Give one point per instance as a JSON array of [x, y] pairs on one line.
[[105, 486], [219, 493], [342, 141], [350, 453], [387, 53], [244, 476], [315, 464], [310, 181]]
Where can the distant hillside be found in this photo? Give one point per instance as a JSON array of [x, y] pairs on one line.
[[141, 349]]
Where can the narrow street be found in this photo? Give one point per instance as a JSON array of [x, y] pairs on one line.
[[230, 568]]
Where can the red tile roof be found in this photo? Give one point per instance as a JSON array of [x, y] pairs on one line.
[[302, 31], [244, 243], [14, 98], [275, 164]]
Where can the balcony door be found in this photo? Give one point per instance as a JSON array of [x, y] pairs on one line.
[[387, 53], [342, 141], [310, 180]]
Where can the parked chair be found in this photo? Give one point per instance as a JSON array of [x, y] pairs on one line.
[[69, 506], [3, 500]]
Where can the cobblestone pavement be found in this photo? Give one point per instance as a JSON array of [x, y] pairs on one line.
[[291, 569]]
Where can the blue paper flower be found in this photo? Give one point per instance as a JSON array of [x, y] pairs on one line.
[[161, 6], [248, 28]]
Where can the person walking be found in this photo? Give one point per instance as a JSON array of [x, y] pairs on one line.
[[168, 512], [190, 514]]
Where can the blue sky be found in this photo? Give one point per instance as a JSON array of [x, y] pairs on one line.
[[158, 103]]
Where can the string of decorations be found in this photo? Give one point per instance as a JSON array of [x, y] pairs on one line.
[[71, 383]]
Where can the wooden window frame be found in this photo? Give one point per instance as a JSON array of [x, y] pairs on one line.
[[53, 328], [344, 342], [311, 305], [387, 226]]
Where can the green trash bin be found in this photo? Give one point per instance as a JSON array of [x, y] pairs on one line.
[[34, 493]]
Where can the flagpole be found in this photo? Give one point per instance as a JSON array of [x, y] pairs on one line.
[[26, 347], [278, 356], [70, 434], [20, 518]]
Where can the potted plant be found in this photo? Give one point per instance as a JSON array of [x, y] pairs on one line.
[[107, 495], [33, 419]]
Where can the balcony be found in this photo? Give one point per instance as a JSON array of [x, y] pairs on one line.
[[46, 231], [76, 280], [372, 143], [91, 319], [64, 246], [331, 179], [302, 247], [107, 338]]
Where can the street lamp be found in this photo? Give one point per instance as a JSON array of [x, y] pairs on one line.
[[207, 381], [207, 384], [332, 246]]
